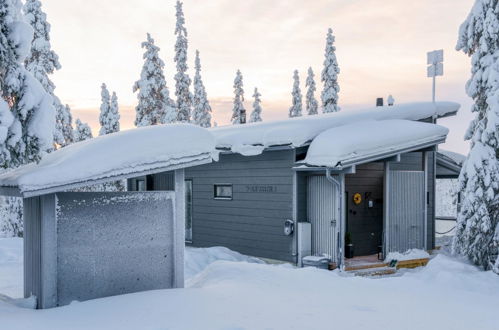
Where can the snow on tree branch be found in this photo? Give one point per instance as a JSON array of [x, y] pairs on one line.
[[155, 105], [201, 114], [295, 109], [256, 114], [311, 102], [238, 111], [329, 77]]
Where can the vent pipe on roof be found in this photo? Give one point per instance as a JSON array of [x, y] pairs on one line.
[[379, 102], [390, 100]]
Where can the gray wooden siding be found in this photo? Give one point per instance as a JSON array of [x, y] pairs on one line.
[[365, 224], [414, 161], [252, 222]]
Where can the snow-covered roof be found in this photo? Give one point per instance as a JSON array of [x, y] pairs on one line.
[[119, 155], [370, 140], [251, 139], [455, 157]]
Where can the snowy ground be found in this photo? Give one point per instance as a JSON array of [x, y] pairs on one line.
[[240, 293]]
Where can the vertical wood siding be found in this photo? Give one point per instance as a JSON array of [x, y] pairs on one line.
[[323, 214], [406, 214]]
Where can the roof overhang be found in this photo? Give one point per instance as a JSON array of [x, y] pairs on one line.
[[371, 141], [16, 191]]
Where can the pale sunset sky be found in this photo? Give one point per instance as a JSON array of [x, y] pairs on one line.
[[381, 49]]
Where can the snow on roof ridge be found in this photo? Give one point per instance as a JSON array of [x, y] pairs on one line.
[[301, 130]]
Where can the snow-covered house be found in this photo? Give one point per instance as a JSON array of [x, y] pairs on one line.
[[85, 245], [286, 189]]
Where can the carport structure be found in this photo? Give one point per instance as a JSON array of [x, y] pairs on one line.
[[85, 245]]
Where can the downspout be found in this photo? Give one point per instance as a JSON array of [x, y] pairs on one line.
[[338, 184]]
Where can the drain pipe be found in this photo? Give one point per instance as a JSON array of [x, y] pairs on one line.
[[337, 183]]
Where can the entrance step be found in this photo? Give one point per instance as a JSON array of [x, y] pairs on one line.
[[413, 263], [365, 266], [375, 271]]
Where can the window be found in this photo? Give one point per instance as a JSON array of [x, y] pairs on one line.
[[188, 211], [222, 191], [140, 185]]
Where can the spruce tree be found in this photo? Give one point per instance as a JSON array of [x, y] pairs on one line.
[[201, 114], [82, 131], [104, 110], [295, 109], [238, 111], [329, 77], [155, 105], [477, 234], [31, 132], [42, 61], [27, 121], [256, 114], [109, 115], [114, 114], [310, 102], [182, 80]]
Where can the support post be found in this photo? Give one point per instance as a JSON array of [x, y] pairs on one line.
[[179, 227], [425, 226], [386, 208], [40, 249]]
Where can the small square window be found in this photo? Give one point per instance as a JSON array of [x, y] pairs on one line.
[[222, 191], [140, 185]]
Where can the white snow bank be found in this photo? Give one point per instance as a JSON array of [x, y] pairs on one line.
[[11, 267], [130, 152], [407, 255], [197, 259], [364, 139], [301, 130], [446, 294]]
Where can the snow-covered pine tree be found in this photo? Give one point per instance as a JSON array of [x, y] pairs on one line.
[[31, 115], [32, 131], [155, 105], [63, 135], [310, 102], [114, 113], [256, 114], [238, 111], [109, 116], [104, 110], [67, 126], [295, 109], [477, 234], [110, 123], [42, 61], [201, 113], [182, 80], [329, 77], [82, 131]]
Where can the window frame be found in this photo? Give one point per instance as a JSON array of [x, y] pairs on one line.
[[226, 198], [137, 184], [190, 181]]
